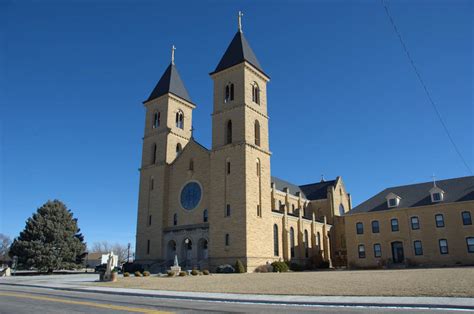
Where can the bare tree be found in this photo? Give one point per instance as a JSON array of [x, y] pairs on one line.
[[121, 250], [5, 243]]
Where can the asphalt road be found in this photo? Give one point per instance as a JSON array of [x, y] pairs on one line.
[[16, 299]]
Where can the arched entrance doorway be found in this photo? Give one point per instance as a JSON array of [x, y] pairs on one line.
[[187, 251], [202, 249], [397, 252]]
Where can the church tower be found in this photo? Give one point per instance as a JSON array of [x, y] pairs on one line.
[[168, 128], [240, 210]]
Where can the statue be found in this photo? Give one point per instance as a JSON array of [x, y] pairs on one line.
[[175, 268], [110, 267]]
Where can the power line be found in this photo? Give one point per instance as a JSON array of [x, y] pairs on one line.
[[420, 79]]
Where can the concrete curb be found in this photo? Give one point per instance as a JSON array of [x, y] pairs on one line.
[[286, 300]]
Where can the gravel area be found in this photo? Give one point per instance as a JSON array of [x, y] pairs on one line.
[[448, 282]]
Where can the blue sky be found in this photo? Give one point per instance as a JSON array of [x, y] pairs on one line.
[[343, 99]]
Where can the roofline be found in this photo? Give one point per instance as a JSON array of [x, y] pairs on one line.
[[192, 103], [253, 65], [425, 182], [404, 208]]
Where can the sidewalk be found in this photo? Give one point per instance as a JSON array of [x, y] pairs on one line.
[[80, 283]]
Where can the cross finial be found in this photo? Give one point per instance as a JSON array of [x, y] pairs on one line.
[[434, 179], [322, 178], [173, 48], [240, 20]]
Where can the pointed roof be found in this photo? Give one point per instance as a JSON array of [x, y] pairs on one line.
[[170, 82], [238, 51]]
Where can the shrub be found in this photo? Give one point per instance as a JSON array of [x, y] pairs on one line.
[[138, 274], [170, 273], [205, 272], [146, 273], [126, 274], [182, 273], [194, 272], [280, 267], [239, 267]]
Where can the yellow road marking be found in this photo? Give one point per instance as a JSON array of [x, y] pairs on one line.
[[98, 305]]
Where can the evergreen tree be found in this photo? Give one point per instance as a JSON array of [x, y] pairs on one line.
[[51, 240]]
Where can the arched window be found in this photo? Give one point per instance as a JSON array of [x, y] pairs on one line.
[[306, 244], [341, 210], [178, 149], [156, 120], [257, 133], [180, 119], [276, 246], [255, 93], [292, 241], [229, 92], [293, 208], [152, 183], [227, 239], [228, 167], [229, 132], [154, 152], [258, 167], [191, 165], [175, 219], [318, 240], [205, 218]]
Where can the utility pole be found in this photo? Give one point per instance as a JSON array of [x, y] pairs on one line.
[[128, 252]]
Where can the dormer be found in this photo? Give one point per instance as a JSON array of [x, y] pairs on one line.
[[393, 200], [437, 194]]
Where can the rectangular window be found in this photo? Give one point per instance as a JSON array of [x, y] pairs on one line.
[[149, 220], [439, 221], [228, 167], [227, 240], [418, 247], [394, 224], [436, 197], [466, 218], [375, 226], [227, 210], [415, 223], [392, 202], [259, 212], [359, 228], [443, 246], [361, 251], [377, 250], [470, 244], [148, 247]]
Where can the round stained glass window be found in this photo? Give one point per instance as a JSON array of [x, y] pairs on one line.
[[191, 195]]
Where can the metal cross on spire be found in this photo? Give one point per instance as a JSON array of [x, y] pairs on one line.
[[434, 179], [240, 20], [173, 48]]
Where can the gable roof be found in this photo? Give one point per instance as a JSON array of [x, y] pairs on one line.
[[415, 195], [312, 192], [237, 52], [170, 82], [317, 191]]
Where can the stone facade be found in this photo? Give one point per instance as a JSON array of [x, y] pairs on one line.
[[237, 214], [414, 222]]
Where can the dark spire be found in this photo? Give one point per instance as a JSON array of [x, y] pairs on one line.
[[238, 51], [170, 82]]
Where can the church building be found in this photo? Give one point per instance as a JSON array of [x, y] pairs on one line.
[[213, 206]]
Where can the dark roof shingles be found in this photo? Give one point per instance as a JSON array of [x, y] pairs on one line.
[[313, 191], [416, 195], [170, 82], [237, 52]]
